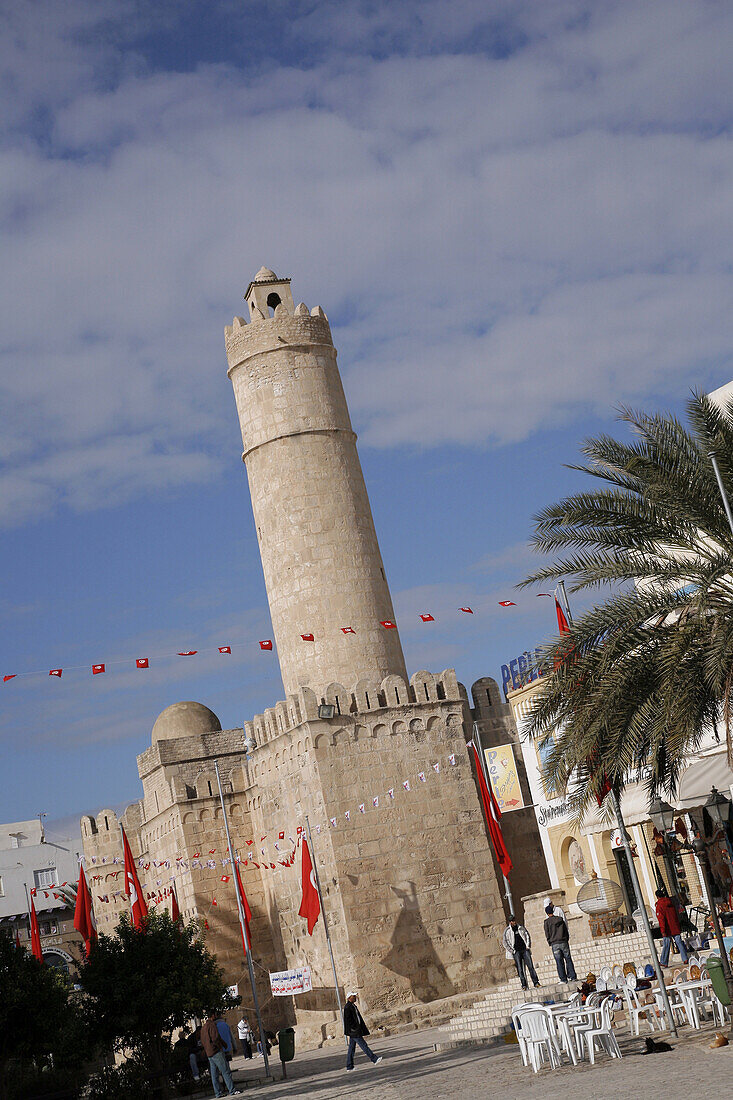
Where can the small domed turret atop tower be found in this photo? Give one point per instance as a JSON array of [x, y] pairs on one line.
[[266, 292]]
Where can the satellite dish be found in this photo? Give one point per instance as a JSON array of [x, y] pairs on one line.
[[599, 896]]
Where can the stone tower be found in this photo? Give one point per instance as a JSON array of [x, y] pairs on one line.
[[323, 569]]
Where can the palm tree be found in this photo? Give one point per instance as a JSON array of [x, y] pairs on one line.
[[642, 675]]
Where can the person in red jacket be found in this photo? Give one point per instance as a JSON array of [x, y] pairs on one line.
[[669, 926]]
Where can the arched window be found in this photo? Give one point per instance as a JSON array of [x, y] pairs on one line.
[[273, 301]]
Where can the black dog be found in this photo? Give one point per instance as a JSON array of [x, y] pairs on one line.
[[656, 1048]]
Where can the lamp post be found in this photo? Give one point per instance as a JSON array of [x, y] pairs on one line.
[[718, 808]]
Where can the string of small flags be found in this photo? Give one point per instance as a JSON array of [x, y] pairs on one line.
[[205, 860], [264, 645]]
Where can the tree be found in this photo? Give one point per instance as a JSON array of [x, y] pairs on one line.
[[143, 984], [37, 1016], [644, 673]]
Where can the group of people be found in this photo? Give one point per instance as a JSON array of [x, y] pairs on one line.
[[518, 946]]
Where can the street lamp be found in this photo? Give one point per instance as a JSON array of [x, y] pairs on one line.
[[662, 815], [718, 809]]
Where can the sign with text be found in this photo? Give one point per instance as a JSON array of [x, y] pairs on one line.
[[520, 671], [502, 769], [286, 983]]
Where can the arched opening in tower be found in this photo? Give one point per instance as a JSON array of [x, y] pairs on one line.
[[273, 301]]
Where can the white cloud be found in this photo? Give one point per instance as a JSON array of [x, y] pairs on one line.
[[504, 238]]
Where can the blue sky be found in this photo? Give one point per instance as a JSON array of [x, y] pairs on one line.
[[516, 215]]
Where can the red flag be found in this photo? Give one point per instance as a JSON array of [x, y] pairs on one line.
[[492, 813], [225, 649], [266, 644], [188, 653], [17, 939], [55, 672], [175, 911], [10, 677], [347, 630], [138, 906], [142, 662], [307, 637], [35, 934], [84, 921], [310, 904], [96, 669], [388, 624], [281, 836], [245, 906], [225, 878], [562, 622], [468, 610], [427, 618], [507, 603]]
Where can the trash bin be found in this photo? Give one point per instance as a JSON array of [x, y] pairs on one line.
[[714, 967], [286, 1042]]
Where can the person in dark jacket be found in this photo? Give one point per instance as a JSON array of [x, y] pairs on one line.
[[669, 926], [355, 1029], [558, 937]]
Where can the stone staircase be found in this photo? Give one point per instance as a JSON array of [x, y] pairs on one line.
[[489, 1017]]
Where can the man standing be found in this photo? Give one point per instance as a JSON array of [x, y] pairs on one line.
[[517, 945], [214, 1047], [558, 937], [669, 926], [244, 1033], [355, 1029]]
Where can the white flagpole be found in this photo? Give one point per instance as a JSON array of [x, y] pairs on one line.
[[314, 861], [243, 924]]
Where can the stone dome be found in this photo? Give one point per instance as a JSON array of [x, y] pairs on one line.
[[185, 720], [263, 275]]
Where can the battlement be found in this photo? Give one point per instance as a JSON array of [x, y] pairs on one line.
[[284, 329]]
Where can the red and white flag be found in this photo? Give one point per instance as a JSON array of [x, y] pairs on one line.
[[266, 644], [388, 624], [307, 637], [468, 610], [142, 662], [310, 904], [507, 603], [347, 630], [225, 649], [96, 669], [428, 618], [35, 934], [188, 653], [55, 672], [245, 908], [492, 814], [84, 921], [138, 907], [175, 911], [562, 623]]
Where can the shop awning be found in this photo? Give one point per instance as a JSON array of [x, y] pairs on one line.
[[634, 807], [697, 781]]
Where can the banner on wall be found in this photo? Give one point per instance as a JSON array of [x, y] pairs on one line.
[[504, 777], [286, 983]]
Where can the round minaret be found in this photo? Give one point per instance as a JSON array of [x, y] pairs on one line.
[[323, 570]]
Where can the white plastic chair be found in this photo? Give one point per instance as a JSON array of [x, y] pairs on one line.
[[516, 1021], [638, 1011], [539, 1036], [603, 1034]]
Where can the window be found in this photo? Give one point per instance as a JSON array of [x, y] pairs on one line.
[[544, 752], [2, 888], [45, 878]]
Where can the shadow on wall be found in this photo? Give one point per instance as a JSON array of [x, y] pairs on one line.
[[412, 954]]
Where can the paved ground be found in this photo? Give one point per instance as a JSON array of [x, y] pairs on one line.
[[412, 1070]]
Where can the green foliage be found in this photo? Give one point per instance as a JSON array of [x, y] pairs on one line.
[[644, 673], [39, 1017], [143, 984]]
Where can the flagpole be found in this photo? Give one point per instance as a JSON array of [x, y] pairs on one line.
[[566, 602], [487, 778], [323, 914], [28, 910], [243, 924]]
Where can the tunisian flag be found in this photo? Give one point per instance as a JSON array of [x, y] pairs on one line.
[[35, 934], [84, 921], [492, 813], [310, 905], [245, 906], [175, 911], [138, 905]]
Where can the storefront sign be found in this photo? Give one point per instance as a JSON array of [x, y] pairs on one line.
[[520, 670], [504, 778], [547, 812], [286, 983]]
